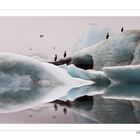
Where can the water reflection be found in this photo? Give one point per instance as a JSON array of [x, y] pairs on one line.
[[55, 107], [65, 111], [100, 110], [118, 103], [85, 90], [18, 100], [125, 91]]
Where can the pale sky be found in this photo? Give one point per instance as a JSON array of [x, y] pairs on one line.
[[18, 34]]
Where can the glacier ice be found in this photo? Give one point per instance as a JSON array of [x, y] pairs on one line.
[[41, 57], [117, 50], [95, 76], [93, 34], [39, 73], [128, 73], [26, 82], [85, 62]]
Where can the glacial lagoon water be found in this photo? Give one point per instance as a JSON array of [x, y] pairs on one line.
[[116, 103]]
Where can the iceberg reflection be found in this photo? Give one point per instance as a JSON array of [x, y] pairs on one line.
[[117, 104], [17, 100], [105, 110], [124, 91]]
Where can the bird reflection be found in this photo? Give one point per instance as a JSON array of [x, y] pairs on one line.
[[65, 111], [55, 107], [30, 116]]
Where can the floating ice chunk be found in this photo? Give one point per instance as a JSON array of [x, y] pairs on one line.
[[117, 50], [12, 65], [96, 76], [26, 82], [129, 73]]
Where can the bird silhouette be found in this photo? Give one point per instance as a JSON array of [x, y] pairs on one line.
[[55, 58], [107, 35], [30, 49], [122, 29], [65, 54], [41, 36]]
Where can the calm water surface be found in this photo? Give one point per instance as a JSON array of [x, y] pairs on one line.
[[118, 103]]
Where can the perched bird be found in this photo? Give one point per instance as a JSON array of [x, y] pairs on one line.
[[55, 58], [107, 35], [65, 54], [122, 29], [30, 49], [41, 36]]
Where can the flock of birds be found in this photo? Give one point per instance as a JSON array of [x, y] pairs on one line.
[[65, 54], [107, 35], [55, 57]]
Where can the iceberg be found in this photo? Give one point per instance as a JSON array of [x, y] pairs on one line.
[[26, 82], [37, 73], [129, 74], [92, 75], [40, 57], [118, 50], [92, 35]]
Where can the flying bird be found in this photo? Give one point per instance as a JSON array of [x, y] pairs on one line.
[[41, 36]]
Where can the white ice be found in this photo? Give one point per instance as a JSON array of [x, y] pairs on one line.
[[26, 82], [92, 35], [95, 76], [120, 49], [130, 73]]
